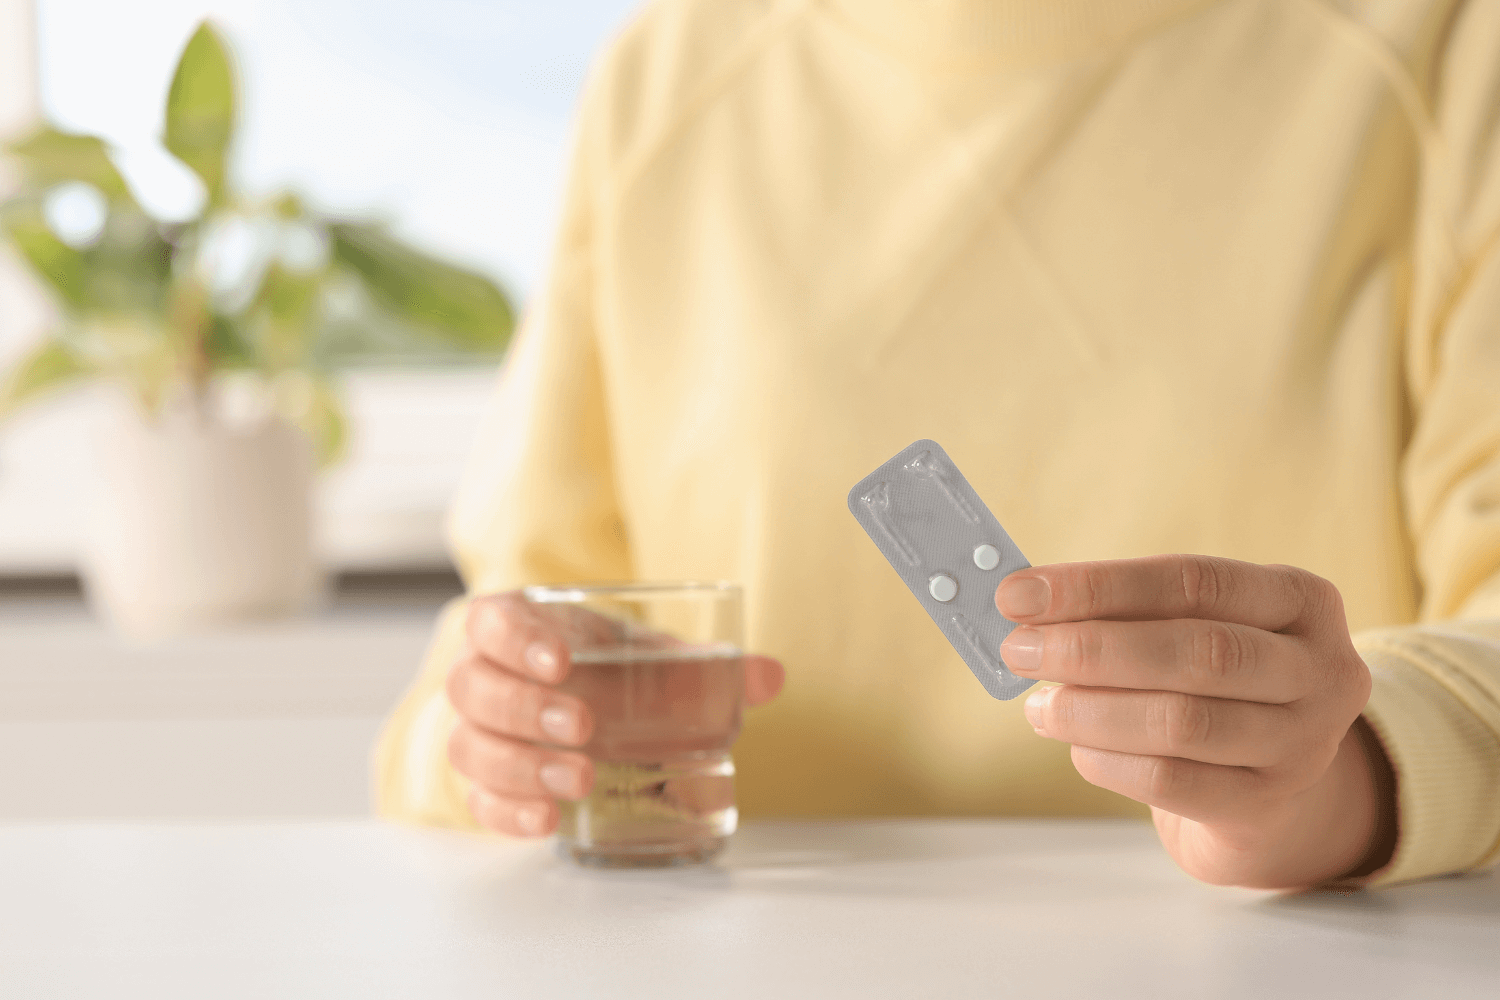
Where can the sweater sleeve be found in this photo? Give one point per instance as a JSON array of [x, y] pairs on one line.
[[537, 502], [1435, 702]]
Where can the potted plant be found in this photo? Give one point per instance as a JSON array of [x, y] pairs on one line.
[[219, 338]]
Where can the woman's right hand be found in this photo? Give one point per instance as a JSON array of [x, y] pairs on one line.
[[515, 725]]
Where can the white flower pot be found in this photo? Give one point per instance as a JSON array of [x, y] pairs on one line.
[[200, 521]]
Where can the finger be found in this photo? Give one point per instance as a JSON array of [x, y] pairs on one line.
[[1192, 789], [501, 702], [516, 817], [505, 630], [581, 627], [1168, 724], [514, 769], [1191, 655], [1274, 598], [764, 678]]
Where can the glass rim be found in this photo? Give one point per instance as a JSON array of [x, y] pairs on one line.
[[568, 593]]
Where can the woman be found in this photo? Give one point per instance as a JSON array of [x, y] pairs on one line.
[[1162, 276]]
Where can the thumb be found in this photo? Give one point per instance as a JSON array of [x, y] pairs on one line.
[[763, 679]]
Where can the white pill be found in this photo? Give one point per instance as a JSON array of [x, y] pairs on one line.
[[942, 587], [986, 557]]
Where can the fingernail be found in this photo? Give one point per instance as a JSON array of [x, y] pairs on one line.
[[1022, 597], [531, 818], [1035, 705], [560, 723], [1022, 650], [543, 661], [557, 778]]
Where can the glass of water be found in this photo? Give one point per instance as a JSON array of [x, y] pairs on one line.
[[660, 666]]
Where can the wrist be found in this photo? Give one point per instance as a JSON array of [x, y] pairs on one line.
[[1340, 828], [1348, 828], [1380, 779]]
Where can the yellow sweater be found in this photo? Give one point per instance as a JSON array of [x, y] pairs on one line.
[[1161, 276]]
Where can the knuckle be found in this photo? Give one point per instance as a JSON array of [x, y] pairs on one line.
[[1185, 722], [1202, 583], [1318, 595], [1220, 655], [1339, 675], [1095, 589], [1361, 684], [1319, 590], [1330, 602], [1349, 681], [1082, 649]]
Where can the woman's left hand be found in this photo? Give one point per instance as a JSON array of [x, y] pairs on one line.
[[1224, 695]]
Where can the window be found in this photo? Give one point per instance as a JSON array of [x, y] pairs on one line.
[[450, 119]]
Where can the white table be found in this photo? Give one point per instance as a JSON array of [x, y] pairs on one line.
[[848, 909]]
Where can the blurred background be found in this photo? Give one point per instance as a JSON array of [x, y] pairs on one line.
[[385, 207]]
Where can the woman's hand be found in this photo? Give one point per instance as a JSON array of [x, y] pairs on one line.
[[1224, 695], [512, 718]]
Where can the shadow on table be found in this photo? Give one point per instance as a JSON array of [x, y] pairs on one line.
[[1443, 924], [951, 859], [1461, 896]]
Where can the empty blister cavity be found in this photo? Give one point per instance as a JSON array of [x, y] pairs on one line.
[[941, 539], [942, 587], [942, 473], [878, 501], [976, 645]]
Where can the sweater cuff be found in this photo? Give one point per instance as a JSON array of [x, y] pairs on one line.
[[1446, 760]]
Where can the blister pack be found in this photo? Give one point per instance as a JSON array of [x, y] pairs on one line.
[[943, 541]]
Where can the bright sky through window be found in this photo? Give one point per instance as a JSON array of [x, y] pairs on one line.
[[451, 117]]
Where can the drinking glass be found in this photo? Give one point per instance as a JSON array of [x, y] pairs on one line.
[[660, 666]]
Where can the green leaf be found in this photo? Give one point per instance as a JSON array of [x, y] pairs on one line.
[[227, 346], [289, 297], [50, 157], [130, 267], [201, 109], [284, 316], [457, 305], [64, 268], [49, 365], [127, 269]]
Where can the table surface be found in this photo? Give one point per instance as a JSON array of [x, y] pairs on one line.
[[867, 909]]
